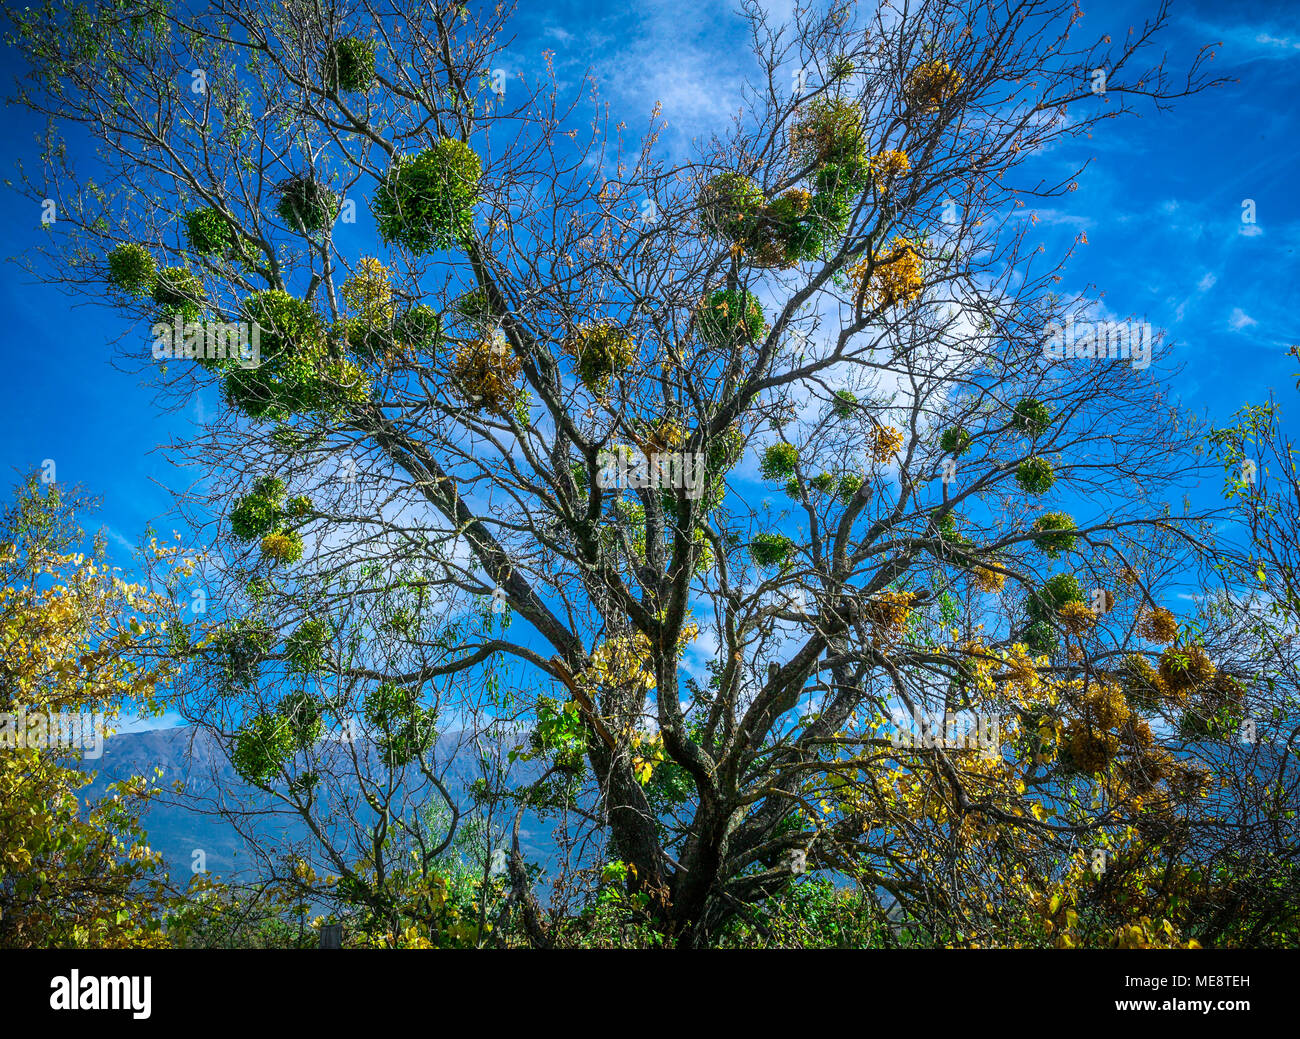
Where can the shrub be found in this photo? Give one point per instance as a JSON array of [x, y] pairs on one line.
[[207, 232], [730, 205], [1035, 475], [770, 550], [1031, 416], [826, 131], [132, 269], [779, 461], [1057, 533], [177, 291], [426, 202], [601, 350], [728, 318], [823, 482], [306, 205], [350, 65], [954, 441], [1045, 604]]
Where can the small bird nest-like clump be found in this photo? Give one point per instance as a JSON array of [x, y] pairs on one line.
[[932, 83], [1184, 669], [1159, 625], [888, 613]]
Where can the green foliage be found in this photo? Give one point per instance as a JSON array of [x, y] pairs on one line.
[[1057, 533], [426, 202], [419, 328], [1035, 475], [306, 205], [1031, 416], [845, 404], [728, 318], [406, 729], [601, 350], [304, 649], [849, 485], [1058, 590], [132, 269], [955, 441], [730, 205], [178, 291], [304, 717], [560, 733], [259, 513], [349, 65], [771, 549], [282, 546], [724, 450], [779, 461], [823, 482], [262, 747], [1040, 638], [828, 131], [207, 232]]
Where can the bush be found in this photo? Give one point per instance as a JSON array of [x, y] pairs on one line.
[[262, 747], [1046, 602], [284, 546], [602, 351], [306, 205], [178, 292], [258, 514], [207, 232], [350, 65], [1035, 475], [427, 201], [1057, 533], [724, 450], [770, 550], [779, 461], [132, 269], [1031, 416], [728, 318]]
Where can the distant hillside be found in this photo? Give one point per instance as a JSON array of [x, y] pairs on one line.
[[190, 754]]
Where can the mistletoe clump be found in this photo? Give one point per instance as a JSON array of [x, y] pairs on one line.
[[954, 441], [303, 717], [1040, 638], [730, 205], [427, 201], [1045, 603], [305, 648], [419, 329], [1159, 625], [132, 269], [828, 131], [779, 461], [886, 442], [1031, 416], [602, 350], [1184, 669], [848, 487], [724, 450], [484, 375], [298, 371], [350, 65], [1035, 475], [727, 318], [887, 169], [844, 404], [771, 549], [306, 205], [260, 512], [930, 84], [207, 232], [284, 546], [405, 729], [262, 747], [178, 293], [892, 277], [1055, 532]]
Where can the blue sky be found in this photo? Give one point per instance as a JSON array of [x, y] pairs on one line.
[[1161, 206]]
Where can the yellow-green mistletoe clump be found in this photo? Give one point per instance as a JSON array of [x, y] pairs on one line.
[[426, 202]]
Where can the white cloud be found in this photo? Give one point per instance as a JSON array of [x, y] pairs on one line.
[[1240, 319], [1207, 282]]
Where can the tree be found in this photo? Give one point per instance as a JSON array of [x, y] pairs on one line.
[[72, 875], [419, 503]]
